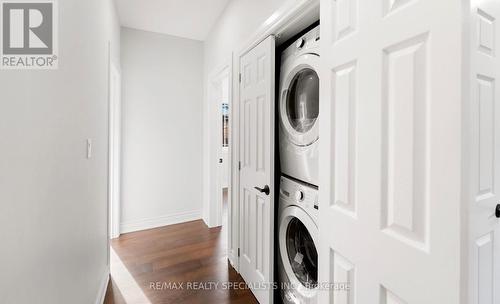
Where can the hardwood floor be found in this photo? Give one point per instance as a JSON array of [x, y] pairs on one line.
[[144, 263]]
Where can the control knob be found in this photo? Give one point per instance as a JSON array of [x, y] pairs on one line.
[[299, 196], [300, 43]]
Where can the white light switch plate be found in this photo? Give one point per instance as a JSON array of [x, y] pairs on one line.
[[89, 148]]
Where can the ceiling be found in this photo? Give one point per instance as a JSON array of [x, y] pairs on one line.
[[191, 19]]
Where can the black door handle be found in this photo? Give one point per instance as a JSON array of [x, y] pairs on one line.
[[266, 189], [497, 211], [220, 160]]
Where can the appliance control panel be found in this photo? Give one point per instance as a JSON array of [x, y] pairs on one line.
[[308, 43], [299, 193], [308, 40]]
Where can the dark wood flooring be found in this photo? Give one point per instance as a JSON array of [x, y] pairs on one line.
[[144, 263]]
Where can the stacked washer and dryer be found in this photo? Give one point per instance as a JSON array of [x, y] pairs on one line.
[[298, 146]]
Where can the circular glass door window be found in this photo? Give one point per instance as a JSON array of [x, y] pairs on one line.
[[302, 102], [302, 253]]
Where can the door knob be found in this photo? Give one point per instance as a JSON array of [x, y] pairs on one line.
[[497, 211], [265, 190]]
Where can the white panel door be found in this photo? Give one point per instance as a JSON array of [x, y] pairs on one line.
[[257, 168], [484, 250], [390, 151]]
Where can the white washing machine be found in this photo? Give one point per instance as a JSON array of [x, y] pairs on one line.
[[298, 236], [299, 108]]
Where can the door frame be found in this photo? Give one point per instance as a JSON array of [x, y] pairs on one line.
[[284, 23], [114, 154], [213, 216]]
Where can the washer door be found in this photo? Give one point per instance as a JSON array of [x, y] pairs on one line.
[[297, 240], [299, 100]]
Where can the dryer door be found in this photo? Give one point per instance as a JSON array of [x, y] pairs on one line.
[[299, 100], [297, 243]]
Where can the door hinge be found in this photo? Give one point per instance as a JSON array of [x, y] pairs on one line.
[[239, 165], [238, 252], [240, 77]]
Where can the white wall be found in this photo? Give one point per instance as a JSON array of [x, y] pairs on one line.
[[162, 92], [239, 21], [53, 201]]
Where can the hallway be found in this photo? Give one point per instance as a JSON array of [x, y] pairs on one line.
[[181, 253]]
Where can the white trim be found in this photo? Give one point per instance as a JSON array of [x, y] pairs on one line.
[[103, 287], [114, 152], [215, 207], [213, 193], [287, 16], [160, 221], [108, 202]]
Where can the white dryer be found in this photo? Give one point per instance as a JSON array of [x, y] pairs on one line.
[[299, 108], [298, 236]]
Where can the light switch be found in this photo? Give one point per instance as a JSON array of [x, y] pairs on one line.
[[89, 148]]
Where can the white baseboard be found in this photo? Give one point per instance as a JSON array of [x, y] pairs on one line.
[[160, 221], [205, 220], [103, 286]]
